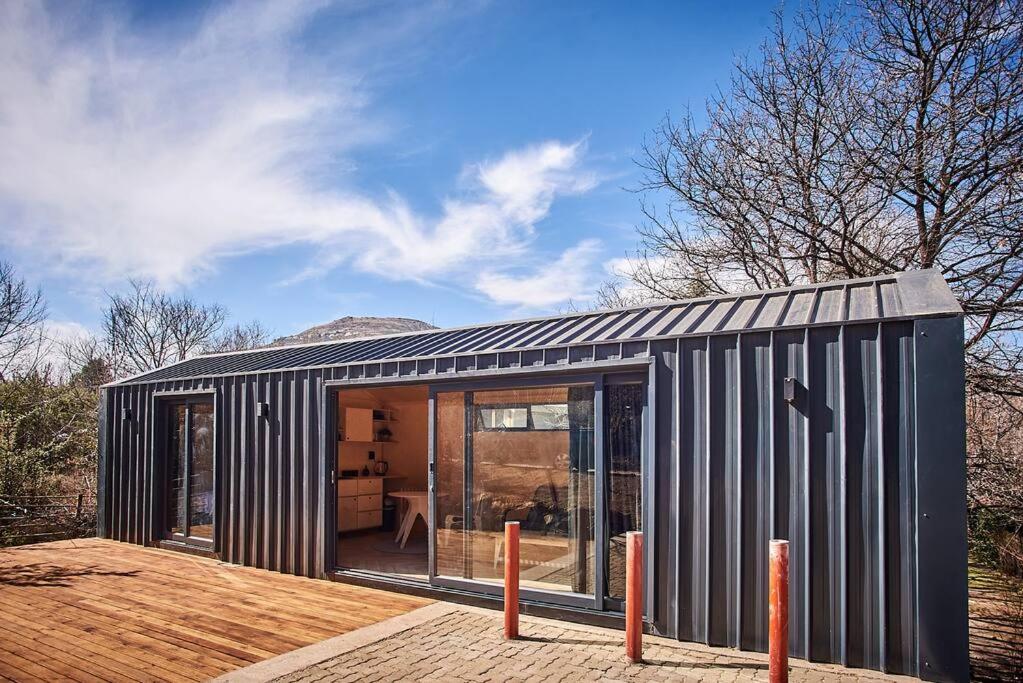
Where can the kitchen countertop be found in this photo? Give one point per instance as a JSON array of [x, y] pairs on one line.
[[374, 476]]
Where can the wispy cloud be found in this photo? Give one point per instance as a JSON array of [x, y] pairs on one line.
[[567, 278], [492, 222], [159, 156]]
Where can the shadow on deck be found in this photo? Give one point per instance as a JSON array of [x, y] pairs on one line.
[[41, 574], [996, 626]]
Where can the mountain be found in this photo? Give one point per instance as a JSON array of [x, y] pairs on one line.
[[352, 326]]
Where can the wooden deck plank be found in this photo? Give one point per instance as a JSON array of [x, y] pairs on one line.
[[16, 662], [63, 654], [176, 634], [93, 609], [89, 652], [124, 646]]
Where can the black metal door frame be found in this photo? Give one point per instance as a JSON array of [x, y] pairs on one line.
[[599, 600], [610, 603], [166, 405]]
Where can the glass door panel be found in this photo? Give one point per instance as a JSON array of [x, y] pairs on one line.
[[189, 500], [531, 454], [177, 455], [623, 448], [449, 484], [200, 498], [527, 456]]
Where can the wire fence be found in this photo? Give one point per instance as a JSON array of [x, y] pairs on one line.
[[34, 519]]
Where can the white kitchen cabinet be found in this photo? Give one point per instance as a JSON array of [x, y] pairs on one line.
[[360, 503]]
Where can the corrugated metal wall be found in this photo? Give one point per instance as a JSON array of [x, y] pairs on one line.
[[269, 475], [834, 472], [853, 472]]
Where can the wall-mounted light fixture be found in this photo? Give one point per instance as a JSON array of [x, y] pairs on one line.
[[790, 390], [264, 410]]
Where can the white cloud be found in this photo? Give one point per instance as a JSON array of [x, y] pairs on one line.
[[506, 198], [56, 334], [523, 183], [568, 278], [61, 331], [622, 271], [155, 156]]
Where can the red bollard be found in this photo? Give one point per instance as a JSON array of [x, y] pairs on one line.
[[634, 596], [511, 580], [778, 596]]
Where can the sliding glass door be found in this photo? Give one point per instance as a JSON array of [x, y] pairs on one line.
[[536, 454], [189, 473], [623, 452]]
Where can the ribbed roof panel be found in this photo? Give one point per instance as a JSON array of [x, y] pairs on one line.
[[901, 296]]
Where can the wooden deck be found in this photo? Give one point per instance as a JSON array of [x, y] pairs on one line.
[[96, 610]]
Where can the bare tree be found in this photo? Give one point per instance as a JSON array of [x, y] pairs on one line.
[[994, 460], [86, 361], [22, 311], [147, 328], [238, 337], [946, 117], [861, 142]]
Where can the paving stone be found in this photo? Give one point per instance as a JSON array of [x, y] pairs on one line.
[[469, 646]]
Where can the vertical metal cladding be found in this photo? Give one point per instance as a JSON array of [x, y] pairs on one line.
[[862, 469], [834, 471], [269, 469]]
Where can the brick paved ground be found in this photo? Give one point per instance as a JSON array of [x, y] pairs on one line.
[[465, 644]]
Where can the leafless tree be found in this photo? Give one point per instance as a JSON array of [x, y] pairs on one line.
[[946, 106], [995, 485], [146, 328], [239, 337], [22, 311], [864, 141], [86, 361]]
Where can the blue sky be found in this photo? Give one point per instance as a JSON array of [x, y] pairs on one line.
[[297, 162]]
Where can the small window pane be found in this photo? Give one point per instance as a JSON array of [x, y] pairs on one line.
[[504, 418], [550, 416]]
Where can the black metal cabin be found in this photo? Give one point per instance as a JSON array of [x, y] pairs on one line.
[[830, 415]]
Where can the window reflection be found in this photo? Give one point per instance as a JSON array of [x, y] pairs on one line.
[[532, 461], [176, 454], [200, 523], [623, 446]]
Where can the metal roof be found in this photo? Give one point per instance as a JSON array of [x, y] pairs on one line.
[[903, 295]]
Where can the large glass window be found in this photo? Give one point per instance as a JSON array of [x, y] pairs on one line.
[[528, 457]]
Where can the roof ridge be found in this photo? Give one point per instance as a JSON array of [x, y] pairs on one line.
[[658, 303], [924, 293]]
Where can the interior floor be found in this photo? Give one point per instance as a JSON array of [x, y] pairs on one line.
[[376, 551]]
